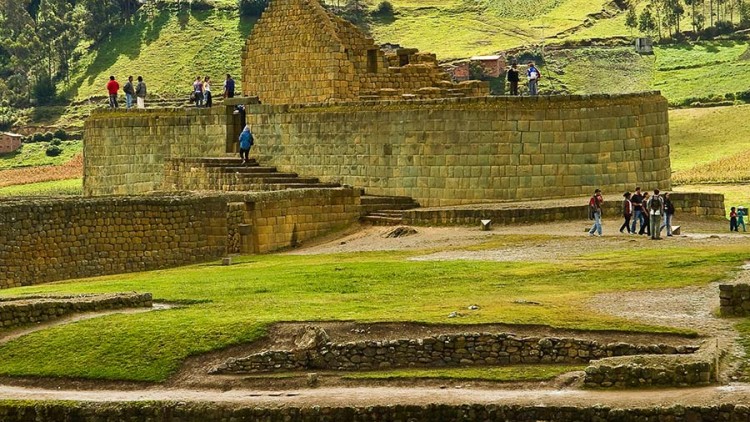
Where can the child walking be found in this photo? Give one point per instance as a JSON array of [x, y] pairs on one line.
[[741, 212], [733, 219]]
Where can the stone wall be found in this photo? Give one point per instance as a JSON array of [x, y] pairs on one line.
[[326, 58], [734, 299], [448, 152], [45, 240], [125, 151], [185, 411], [467, 349], [16, 311]]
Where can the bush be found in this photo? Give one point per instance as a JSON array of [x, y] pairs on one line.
[[61, 134], [44, 90], [38, 137], [252, 8], [49, 136], [384, 9], [56, 141], [53, 151]]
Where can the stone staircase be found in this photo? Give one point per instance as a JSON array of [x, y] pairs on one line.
[[229, 174], [385, 210]]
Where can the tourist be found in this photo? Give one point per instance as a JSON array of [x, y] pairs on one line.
[[246, 141], [733, 220], [207, 91], [513, 79], [637, 200], [140, 93], [656, 211], [229, 87], [646, 227], [113, 88], [627, 212], [129, 91], [741, 213], [533, 74], [595, 212], [198, 92], [668, 214]]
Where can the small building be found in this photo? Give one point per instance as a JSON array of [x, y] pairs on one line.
[[644, 45], [492, 66], [9, 142]]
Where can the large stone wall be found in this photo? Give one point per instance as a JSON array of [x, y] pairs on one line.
[[125, 151], [185, 411], [45, 240], [457, 151], [734, 300]]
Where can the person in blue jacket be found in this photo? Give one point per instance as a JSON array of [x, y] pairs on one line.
[[246, 141]]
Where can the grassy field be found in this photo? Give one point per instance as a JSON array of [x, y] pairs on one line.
[[31, 155], [236, 303], [51, 188]]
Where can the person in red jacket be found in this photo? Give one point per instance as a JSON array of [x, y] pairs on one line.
[[113, 88]]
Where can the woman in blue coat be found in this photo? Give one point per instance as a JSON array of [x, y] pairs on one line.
[[246, 141]]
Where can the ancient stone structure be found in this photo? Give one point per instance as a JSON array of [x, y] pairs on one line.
[[301, 53], [468, 349], [56, 239], [17, 311], [460, 151], [735, 300]]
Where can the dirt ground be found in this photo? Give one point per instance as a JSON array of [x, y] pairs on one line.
[[691, 307]]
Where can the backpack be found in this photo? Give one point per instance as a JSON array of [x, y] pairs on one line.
[[655, 203]]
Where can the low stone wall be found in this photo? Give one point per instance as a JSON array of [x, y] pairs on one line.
[[691, 370], [700, 204], [44, 240], [440, 351], [735, 300], [28, 411], [16, 311]]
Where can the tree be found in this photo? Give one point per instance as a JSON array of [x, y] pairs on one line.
[[631, 20], [646, 22]]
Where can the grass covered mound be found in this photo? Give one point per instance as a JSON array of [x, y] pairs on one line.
[[230, 305]]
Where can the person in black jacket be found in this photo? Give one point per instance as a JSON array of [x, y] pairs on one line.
[[668, 213], [513, 79]]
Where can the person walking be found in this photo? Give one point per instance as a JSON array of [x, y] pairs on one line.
[[646, 227], [741, 213], [129, 91], [533, 75], [140, 93], [627, 212], [207, 91], [595, 210], [513, 79], [733, 220], [655, 210], [668, 214], [113, 88], [229, 87], [198, 91], [246, 141], [637, 200]]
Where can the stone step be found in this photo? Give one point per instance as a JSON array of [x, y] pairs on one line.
[[311, 185], [255, 169], [250, 179], [381, 220], [216, 161], [395, 200]]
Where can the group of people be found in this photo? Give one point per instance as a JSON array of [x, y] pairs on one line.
[[532, 75], [133, 93], [652, 212], [201, 94]]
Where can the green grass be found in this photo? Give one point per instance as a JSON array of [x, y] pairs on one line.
[[168, 51], [57, 187], [241, 300], [497, 374], [32, 155], [603, 70]]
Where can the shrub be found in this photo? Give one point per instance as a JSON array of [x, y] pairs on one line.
[[49, 136], [38, 137], [61, 134], [384, 9], [56, 141], [44, 90], [53, 151]]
